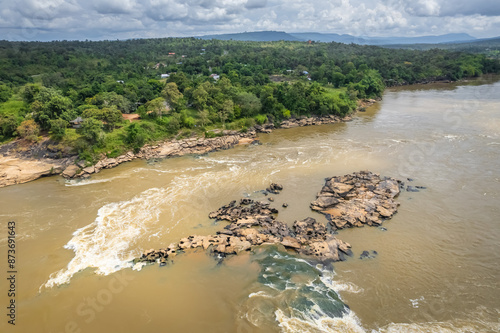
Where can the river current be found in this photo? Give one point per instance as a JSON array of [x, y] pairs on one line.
[[438, 262]]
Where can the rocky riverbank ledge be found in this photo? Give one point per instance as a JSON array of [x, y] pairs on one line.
[[39, 160], [176, 148], [359, 198]]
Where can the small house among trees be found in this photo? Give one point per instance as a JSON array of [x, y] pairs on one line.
[[76, 123]]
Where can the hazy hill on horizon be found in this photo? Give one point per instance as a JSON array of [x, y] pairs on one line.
[[266, 36]]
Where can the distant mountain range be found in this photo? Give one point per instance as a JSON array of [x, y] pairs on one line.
[[267, 36]]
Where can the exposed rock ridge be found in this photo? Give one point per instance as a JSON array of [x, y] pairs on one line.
[[253, 223], [357, 199]]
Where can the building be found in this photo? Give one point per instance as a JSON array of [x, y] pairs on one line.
[[215, 76], [165, 76], [76, 123]]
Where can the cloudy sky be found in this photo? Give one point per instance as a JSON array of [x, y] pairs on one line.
[[119, 19]]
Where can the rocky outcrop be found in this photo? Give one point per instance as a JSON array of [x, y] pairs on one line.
[[358, 199], [253, 223], [18, 170], [315, 120], [364, 103]]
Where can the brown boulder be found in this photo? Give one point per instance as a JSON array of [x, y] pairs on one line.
[[290, 242], [71, 171]]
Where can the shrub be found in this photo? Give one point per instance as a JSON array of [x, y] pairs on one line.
[[58, 128], [189, 122], [92, 131], [8, 125], [29, 130], [261, 119]]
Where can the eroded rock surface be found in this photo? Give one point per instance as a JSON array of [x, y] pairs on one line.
[[351, 200], [253, 223], [358, 199]]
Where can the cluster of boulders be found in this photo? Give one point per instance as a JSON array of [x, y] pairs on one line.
[[167, 149], [253, 223], [364, 103], [79, 169], [188, 146], [353, 200], [358, 199], [309, 121], [159, 256]]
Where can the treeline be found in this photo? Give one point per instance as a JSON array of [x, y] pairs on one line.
[[210, 84], [489, 47]]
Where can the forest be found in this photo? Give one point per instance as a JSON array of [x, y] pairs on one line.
[[76, 92]]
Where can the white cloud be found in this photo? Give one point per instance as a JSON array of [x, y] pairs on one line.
[[423, 8], [81, 19]]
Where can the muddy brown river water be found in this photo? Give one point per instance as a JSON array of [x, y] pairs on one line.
[[438, 262]]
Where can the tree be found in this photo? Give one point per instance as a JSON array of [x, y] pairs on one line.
[[50, 104], [109, 99], [112, 117], [58, 128], [200, 97], [8, 125], [249, 103], [29, 91], [92, 131], [135, 136], [338, 79], [227, 111], [29, 130], [173, 96], [204, 117], [156, 106], [5, 93]]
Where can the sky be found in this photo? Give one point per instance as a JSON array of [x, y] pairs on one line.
[[122, 19]]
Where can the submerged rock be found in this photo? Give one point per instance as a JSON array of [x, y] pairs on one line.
[[368, 255], [412, 189]]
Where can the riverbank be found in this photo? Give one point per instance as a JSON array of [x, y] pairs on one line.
[[18, 168]]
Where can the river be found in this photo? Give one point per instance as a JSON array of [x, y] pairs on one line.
[[438, 262]]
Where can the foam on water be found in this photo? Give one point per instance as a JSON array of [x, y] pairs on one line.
[[328, 278], [348, 323], [103, 244], [83, 182], [297, 296], [109, 243], [457, 326]]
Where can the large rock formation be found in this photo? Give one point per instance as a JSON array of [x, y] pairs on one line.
[[357, 199], [253, 223], [310, 121], [18, 170]]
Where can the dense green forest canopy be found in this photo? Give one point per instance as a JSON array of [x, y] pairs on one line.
[[196, 85]]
